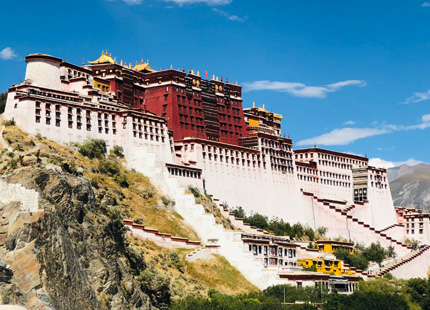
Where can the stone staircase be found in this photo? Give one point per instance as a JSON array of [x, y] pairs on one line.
[[403, 260], [229, 242]]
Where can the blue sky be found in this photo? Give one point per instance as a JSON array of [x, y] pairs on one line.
[[351, 76]]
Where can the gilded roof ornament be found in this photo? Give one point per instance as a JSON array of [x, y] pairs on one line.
[[103, 59]]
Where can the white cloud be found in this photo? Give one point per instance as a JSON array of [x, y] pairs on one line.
[[417, 97], [208, 2], [344, 136], [7, 53], [300, 89], [425, 4], [229, 16], [349, 123], [378, 162]]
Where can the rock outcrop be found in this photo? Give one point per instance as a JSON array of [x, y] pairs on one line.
[[71, 254]]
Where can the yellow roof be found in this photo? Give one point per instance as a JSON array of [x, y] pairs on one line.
[[143, 67], [104, 58]]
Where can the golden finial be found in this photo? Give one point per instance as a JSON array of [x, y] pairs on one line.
[[103, 52], [114, 60], [121, 62], [129, 65], [141, 61], [213, 77], [110, 54], [217, 78], [183, 68], [264, 108], [198, 73], [171, 67], [147, 60], [236, 82], [106, 53], [253, 104], [192, 71], [136, 63], [83, 63]]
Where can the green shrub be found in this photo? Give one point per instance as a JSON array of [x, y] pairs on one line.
[[109, 167], [138, 220], [118, 151], [95, 148], [121, 180], [9, 122]]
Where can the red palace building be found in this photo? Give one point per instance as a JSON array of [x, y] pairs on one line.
[[192, 106]]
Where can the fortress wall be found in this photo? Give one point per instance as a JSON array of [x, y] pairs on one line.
[[381, 205], [363, 212]]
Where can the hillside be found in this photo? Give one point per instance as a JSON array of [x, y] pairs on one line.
[[410, 186], [74, 251]]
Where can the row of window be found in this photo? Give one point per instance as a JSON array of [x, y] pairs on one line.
[[421, 231], [233, 160], [184, 173], [272, 251]]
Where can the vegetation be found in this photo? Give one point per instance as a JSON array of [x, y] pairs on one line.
[[271, 298], [3, 97], [95, 148], [363, 255], [380, 294], [278, 226]]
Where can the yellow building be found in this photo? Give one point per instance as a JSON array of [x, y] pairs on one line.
[[332, 246], [325, 265]]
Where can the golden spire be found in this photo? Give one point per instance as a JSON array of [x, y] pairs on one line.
[[121, 62], [106, 53], [129, 65], [236, 82], [114, 60], [198, 73], [253, 104], [171, 67], [147, 60], [213, 77], [141, 62], [136, 63], [103, 52], [263, 107], [192, 71], [217, 78], [83, 63]]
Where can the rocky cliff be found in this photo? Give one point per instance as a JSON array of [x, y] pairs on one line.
[[73, 254]]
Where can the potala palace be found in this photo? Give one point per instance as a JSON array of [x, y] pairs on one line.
[[180, 129]]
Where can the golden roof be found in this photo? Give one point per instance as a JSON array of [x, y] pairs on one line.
[[104, 58], [143, 66]]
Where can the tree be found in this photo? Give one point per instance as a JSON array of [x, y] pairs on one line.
[[3, 97], [375, 252], [239, 212], [322, 231]]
